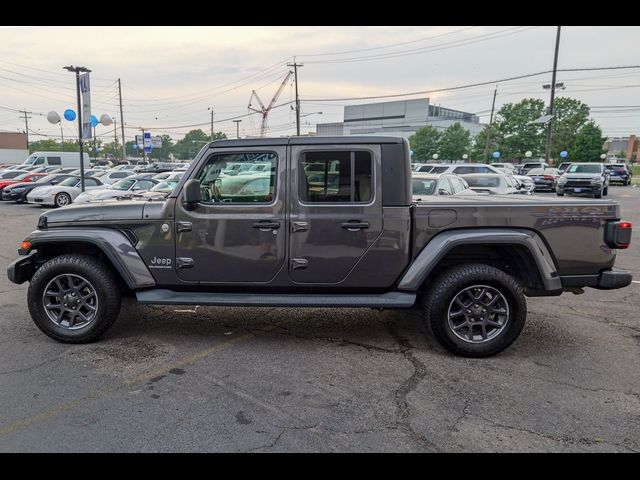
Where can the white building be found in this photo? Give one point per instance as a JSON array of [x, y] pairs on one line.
[[399, 118]]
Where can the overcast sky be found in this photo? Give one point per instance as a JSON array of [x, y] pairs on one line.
[[172, 75]]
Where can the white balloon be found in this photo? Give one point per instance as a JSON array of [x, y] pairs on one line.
[[105, 120], [53, 117]]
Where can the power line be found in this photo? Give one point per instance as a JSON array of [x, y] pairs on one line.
[[433, 48], [471, 85], [391, 45]]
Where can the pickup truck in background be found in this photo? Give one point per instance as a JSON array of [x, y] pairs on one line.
[[329, 223]]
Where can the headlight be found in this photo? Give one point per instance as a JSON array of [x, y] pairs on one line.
[[562, 180], [596, 180]]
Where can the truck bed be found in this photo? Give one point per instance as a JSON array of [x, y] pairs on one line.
[[560, 222]]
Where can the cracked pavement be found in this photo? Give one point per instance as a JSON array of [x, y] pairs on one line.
[[313, 380]]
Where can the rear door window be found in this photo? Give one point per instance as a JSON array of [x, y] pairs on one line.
[[336, 177]]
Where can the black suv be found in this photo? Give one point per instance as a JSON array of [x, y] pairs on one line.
[[619, 173], [589, 178]]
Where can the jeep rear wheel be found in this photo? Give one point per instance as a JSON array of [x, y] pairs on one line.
[[74, 298], [475, 310]]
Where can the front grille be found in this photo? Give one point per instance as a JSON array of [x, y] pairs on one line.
[[578, 183]]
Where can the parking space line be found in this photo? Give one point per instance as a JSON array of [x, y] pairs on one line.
[[188, 360]]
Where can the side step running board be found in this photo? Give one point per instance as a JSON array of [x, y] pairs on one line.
[[159, 296]]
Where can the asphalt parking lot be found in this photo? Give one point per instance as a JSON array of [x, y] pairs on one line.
[[311, 380]]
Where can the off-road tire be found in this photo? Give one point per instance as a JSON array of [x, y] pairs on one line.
[[101, 278], [449, 284]]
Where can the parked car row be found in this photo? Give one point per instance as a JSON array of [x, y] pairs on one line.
[[467, 179], [58, 187], [589, 178]]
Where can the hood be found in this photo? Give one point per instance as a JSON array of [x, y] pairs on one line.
[[104, 193], [95, 212], [22, 184]]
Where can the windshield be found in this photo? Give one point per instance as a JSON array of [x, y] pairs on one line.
[[46, 179], [423, 186], [123, 184], [30, 160], [483, 181], [69, 182], [577, 168], [164, 187]]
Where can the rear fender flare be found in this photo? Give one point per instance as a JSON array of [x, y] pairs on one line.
[[442, 243]]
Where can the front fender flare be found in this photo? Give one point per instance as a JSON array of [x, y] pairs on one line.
[[442, 243], [113, 243]]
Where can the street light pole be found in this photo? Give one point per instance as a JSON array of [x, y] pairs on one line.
[[62, 136], [237, 122], [77, 70], [547, 155], [211, 108]]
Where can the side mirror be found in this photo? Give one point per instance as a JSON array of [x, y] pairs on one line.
[[54, 182], [192, 194]]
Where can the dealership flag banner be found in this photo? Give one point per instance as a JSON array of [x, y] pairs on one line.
[[85, 92]]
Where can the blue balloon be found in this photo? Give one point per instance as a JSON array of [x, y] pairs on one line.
[[564, 154], [496, 154], [94, 121], [69, 115]]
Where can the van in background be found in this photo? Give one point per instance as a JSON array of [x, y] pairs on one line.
[[57, 159]]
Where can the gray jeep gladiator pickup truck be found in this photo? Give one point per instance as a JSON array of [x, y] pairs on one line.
[[319, 222]]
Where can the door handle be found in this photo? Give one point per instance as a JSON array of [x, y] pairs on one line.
[[184, 226], [267, 225], [354, 226], [299, 226]]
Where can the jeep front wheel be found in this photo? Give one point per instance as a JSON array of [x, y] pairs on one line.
[[475, 310], [74, 298]]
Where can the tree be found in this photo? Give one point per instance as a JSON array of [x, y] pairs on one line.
[[588, 144], [192, 143], [480, 141], [111, 149], [46, 145], [163, 152], [424, 143], [569, 116], [516, 131], [130, 151], [454, 142]]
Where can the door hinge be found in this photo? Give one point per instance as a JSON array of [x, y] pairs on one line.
[[185, 262], [299, 263]]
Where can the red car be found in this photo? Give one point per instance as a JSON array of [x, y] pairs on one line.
[[25, 177]]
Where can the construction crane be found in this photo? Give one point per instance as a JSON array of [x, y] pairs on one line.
[[265, 110]]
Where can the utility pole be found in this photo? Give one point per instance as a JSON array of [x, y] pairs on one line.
[[295, 66], [144, 152], [26, 124], [211, 108], [493, 105], [547, 155], [124, 152], [77, 70], [95, 152], [62, 136], [237, 122]]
